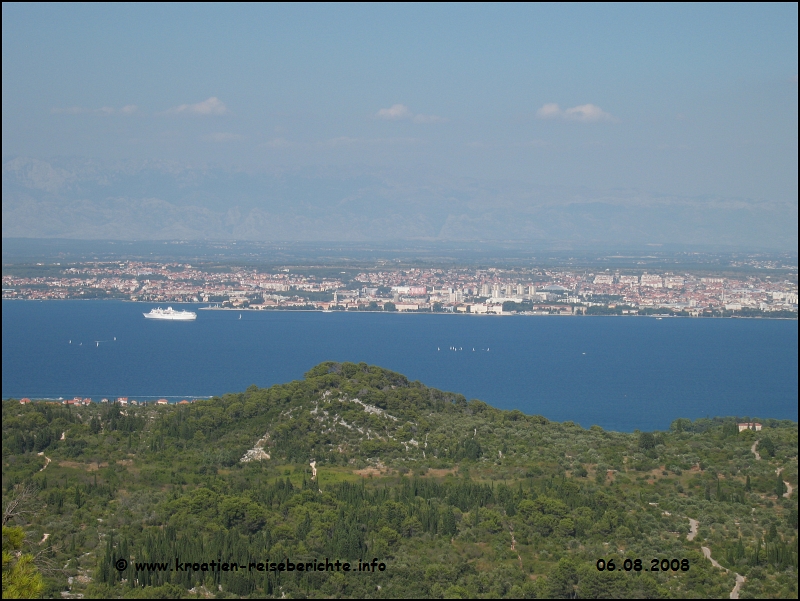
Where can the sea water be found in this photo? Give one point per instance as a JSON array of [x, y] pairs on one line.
[[621, 373]]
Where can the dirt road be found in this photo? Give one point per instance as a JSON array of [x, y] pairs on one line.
[[740, 580]]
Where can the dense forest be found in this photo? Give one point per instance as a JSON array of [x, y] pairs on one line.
[[438, 496]]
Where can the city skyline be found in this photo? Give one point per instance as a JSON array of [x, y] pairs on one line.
[[760, 291]]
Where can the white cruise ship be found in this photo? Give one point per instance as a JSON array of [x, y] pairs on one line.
[[171, 314]]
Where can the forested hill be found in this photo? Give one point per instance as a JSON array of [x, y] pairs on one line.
[[452, 497]]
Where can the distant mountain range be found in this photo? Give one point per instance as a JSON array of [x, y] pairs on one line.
[[156, 200]]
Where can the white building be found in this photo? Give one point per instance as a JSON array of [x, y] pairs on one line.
[[651, 280], [749, 426]]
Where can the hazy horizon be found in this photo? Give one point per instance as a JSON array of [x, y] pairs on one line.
[[548, 124]]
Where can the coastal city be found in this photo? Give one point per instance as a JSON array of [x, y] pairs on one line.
[[458, 290]]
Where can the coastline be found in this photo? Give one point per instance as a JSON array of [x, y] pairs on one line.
[[506, 314], [148, 400], [462, 313]]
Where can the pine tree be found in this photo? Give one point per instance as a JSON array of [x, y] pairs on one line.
[[21, 578]]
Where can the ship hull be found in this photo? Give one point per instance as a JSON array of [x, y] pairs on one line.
[[170, 314], [171, 317]]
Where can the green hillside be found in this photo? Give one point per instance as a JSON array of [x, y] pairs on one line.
[[452, 498]]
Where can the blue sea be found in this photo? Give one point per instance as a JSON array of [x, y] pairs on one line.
[[621, 373]]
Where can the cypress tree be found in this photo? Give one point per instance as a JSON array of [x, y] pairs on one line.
[[780, 487]]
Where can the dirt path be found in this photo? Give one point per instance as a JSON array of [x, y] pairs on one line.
[[789, 487], [714, 562], [753, 450], [740, 580], [514, 545], [692, 529], [46, 460]]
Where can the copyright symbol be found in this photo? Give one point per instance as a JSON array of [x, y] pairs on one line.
[[121, 564]]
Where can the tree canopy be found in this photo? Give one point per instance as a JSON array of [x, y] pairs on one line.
[[355, 462]]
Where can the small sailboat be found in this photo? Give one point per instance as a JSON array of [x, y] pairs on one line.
[[240, 315]]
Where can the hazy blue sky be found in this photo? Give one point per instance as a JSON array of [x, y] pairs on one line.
[[670, 99]]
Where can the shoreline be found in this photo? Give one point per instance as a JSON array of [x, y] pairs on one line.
[[524, 314], [151, 402]]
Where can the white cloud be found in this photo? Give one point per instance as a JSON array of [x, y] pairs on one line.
[[585, 113], [212, 106], [225, 137], [395, 112], [549, 111], [128, 109], [398, 112]]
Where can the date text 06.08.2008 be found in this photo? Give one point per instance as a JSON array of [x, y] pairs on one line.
[[656, 565]]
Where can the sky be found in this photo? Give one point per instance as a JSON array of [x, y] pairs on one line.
[[688, 101]]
